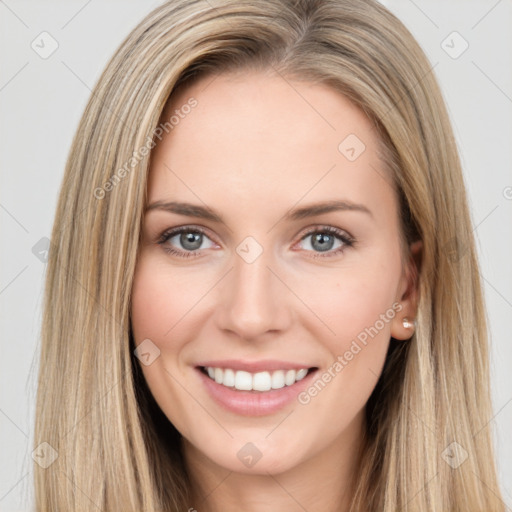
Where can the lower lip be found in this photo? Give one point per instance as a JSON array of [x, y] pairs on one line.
[[254, 403]]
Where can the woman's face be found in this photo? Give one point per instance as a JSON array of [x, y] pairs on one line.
[[275, 283]]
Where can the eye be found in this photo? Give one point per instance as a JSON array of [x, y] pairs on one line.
[[325, 238], [190, 238]]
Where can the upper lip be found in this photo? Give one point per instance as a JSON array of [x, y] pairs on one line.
[[255, 366]]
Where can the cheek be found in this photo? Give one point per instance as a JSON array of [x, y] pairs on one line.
[[157, 313], [353, 300], [149, 303], [358, 307], [160, 301]]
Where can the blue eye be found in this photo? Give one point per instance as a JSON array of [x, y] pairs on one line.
[[324, 239], [191, 239]]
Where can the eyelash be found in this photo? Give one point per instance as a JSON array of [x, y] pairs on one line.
[[347, 240]]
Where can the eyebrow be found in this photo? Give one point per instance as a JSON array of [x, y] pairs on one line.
[[311, 210]]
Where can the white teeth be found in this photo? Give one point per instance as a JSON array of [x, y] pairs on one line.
[[243, 381], [301, 374], [229, 378], [278, 379], [260, 381], [289, 378]]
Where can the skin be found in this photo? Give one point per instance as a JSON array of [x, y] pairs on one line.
[[254, 147]]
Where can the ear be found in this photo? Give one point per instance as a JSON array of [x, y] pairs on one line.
[[407, 294]]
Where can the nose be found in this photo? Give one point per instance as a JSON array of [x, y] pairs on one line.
[[253, 300]]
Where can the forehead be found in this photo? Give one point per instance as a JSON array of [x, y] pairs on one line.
[[253, 138]]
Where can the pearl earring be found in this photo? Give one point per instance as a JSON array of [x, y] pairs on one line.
[[407, 324]]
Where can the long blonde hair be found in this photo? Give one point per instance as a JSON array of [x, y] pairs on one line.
[[115, 449]]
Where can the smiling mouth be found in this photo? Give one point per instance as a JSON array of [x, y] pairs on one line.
[[259, 381]]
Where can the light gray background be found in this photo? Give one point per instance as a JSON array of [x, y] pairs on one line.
[[41, 101]]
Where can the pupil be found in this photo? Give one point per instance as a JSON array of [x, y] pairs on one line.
[[190, 240], [321, 239]]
